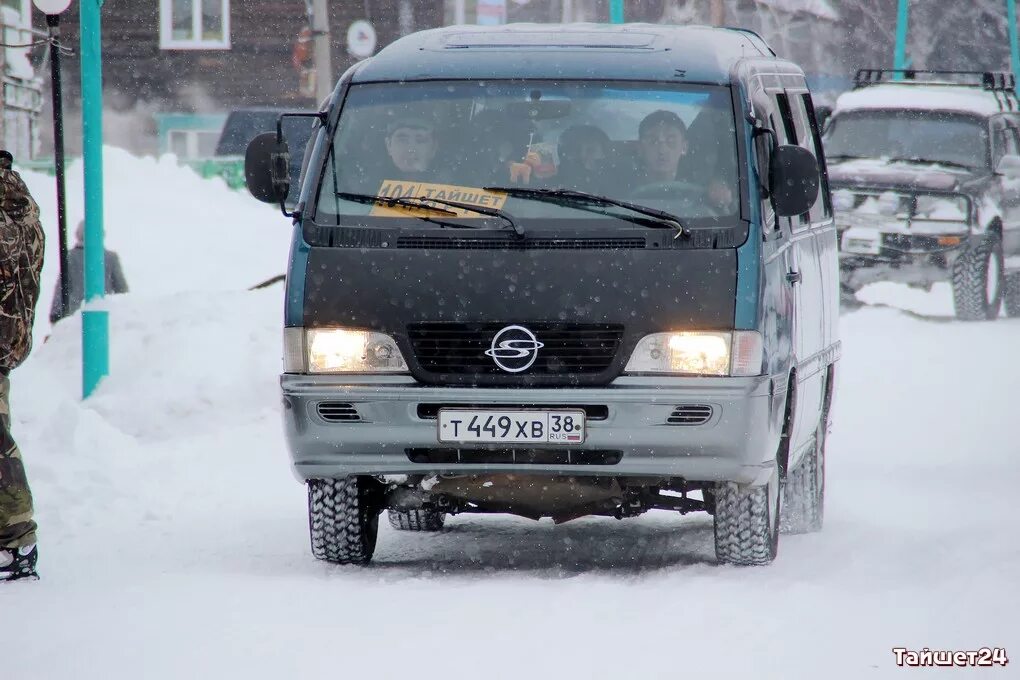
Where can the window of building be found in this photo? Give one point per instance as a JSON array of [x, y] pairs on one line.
[[194, 24]]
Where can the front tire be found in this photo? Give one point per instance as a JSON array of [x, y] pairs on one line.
[[424, 519], [1012, 295], [978, 280], [747, 522], [343, 519]]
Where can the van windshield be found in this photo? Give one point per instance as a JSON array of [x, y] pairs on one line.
[[672, 148]]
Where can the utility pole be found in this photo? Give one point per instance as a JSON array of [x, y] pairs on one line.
[[718, 13], [323, 60]]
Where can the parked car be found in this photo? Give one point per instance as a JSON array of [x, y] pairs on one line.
[[518, 288], [926, 182]]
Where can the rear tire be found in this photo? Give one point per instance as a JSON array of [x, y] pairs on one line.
[[747, 522], [417, 520], [978, 280], [343, 519], [804, 491], [1012, 295]]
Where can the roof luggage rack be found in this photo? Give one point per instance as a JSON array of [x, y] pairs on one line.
[[994, 81]]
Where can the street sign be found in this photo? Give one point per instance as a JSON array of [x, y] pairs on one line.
[[361, 39]]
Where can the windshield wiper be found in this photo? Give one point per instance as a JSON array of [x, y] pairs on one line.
[[588, 201], [928, 161], [844, 157], [427, 204]]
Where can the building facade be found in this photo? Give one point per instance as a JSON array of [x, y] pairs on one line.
[[173, 69], [21, 99]]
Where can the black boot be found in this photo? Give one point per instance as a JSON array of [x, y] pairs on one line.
[[18, 563]]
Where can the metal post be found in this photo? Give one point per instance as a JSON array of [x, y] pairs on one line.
[[1014, 45], [900, 58], [53, 22], [718, 13], [323, 59], [95, 322], [460, 12], [616, 11]]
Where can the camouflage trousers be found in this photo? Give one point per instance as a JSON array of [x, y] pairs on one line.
[[16, 526]]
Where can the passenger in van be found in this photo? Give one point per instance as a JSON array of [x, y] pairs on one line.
[[584, 151], [662, 158], [411, 144], [495, 141]]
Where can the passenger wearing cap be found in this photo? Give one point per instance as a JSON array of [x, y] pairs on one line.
[[412, 145], [662, 151]]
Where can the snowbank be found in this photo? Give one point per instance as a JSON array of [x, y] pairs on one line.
[[174, 230]]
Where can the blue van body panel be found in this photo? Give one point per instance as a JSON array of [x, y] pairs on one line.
[[749, 272], [295, 304]]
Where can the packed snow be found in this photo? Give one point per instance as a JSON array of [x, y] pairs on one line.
[[173, 538], [929, 97]]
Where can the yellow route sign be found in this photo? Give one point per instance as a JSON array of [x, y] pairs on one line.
[[392, 188]]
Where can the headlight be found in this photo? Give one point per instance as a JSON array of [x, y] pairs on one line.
[[947, 208], [340, 350], [736, 353]]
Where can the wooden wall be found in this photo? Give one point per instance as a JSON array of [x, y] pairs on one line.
[[256, 71]]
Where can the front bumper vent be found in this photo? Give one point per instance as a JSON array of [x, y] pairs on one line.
[[336, 412], [690, 414], [513, 457]]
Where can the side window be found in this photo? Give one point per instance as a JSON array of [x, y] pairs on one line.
[[811, 139], [1004, 140], [783, 102], [763, 155]]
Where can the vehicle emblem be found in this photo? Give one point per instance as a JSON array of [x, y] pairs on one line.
[[514, 349]]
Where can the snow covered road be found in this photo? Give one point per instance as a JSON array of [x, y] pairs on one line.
[[174, 539]]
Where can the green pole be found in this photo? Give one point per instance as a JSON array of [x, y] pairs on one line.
[[616, 11], [1014, 45], [900, 59], [94, 322]]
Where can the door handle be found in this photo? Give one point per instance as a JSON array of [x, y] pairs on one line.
[[793, 277]]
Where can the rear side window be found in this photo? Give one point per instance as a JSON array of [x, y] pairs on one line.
[[808, 136]]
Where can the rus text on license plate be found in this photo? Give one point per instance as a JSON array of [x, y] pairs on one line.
[[515, 427]]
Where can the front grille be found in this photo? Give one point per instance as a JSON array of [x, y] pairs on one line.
[[591, 412], [433, 243], [690, 414], [569, 349], [335, 412], [513, 456], [909, 243]]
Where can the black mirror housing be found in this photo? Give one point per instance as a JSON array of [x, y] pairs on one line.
[[267, 168], [793, 180]]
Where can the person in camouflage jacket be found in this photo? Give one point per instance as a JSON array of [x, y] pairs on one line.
[[21, 257]]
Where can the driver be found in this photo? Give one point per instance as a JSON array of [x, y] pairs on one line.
[[412, 146], [662, 158]]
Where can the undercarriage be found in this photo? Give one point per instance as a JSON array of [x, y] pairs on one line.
[[562, 498]]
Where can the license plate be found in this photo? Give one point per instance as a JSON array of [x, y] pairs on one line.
[[513, 427], [862, 240]]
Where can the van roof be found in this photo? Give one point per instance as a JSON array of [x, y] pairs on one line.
[[701, 54]]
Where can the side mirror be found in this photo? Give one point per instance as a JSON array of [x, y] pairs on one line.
[[793, 180], [267, 168], [1009, 167]]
